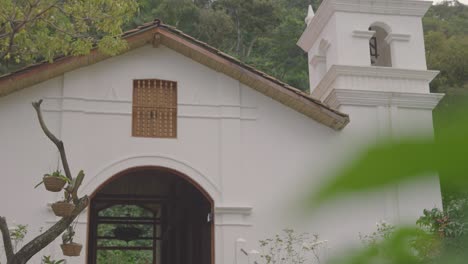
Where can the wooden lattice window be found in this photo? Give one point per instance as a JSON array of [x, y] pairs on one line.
[[154, 108]]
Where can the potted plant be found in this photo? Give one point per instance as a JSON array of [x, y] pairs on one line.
[[54, 181], [63, 208], [69, 248], [49, 260]]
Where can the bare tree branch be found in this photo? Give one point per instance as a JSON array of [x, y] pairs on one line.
[[40, 242], [6, 238], [10, 45], [17, 25], [54, 139], [43, 240]]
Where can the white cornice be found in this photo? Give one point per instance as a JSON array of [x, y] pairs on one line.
[[94, 106], [386, 7], [370, 71], [232, 216], [340, 97], [317, 59], [366, 34], [236, 210], [397, 37]]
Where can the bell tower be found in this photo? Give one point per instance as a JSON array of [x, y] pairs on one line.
[[367, 59], [371, 45]]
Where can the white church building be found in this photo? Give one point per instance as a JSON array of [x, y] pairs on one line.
[[218, 153]]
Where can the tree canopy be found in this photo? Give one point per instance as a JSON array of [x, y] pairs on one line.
[[34, 30], [262, 33]]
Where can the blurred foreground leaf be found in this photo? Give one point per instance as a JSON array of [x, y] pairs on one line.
[[405, 245], [394, 161]]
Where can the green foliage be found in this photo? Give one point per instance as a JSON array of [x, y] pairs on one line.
[[290, 247], [404, 245], [277, 52], [446, 35], [384, 231], [441, 237], [57, 173], [17, 235], [49, 260], [107, 230], [124, 257], [68, 235], [450, 224], [410, 158], [262, 33], [32, 30]]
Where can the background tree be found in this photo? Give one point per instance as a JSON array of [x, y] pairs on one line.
[[446, 35], [34, 30]]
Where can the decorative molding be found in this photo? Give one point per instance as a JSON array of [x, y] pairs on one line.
[[340, 97], [321, 57], [233, 210], [324, 46], [100, 175], [365, 34], [310, 15], [369, 71], [385, 7], [397, 37], [93, 106], [317, 59], [232, 215], [315, 26]]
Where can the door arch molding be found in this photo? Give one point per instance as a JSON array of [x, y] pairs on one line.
[[156, 161], [151, 168]]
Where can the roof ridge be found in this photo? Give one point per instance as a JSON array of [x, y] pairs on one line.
[[70, 62]]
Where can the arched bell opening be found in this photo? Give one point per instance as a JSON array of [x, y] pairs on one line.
[[380, 50], [150, 215]]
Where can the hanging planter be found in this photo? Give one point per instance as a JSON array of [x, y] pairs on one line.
[[63, 208], [54, 184], [71, 249], [127, 233]]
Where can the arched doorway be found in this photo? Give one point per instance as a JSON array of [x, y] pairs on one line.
[[150, 215]]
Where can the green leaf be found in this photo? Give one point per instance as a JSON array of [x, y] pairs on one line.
[[39, 184], [391, 162]]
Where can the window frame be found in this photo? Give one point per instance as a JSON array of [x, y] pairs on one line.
[[154, 108]]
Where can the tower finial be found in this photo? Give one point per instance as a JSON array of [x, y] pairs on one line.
[[310, 15]]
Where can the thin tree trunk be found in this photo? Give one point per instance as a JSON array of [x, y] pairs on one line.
[[251, 45], [43, 240], [6, 239], [239, 34]]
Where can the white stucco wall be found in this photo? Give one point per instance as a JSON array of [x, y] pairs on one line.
[[245, 149], [25, 155]]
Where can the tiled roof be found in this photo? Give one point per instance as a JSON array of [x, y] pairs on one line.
[[157, 33]]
